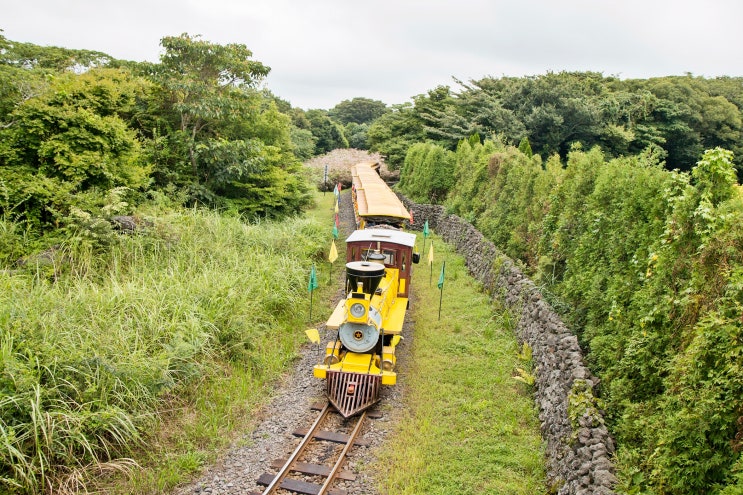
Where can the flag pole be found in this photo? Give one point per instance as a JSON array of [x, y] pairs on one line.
[[311, 286], [425, 235], [430, 264], [441, 297], [311, 307], [441, 287]]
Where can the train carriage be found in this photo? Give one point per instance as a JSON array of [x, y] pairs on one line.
[[374, 203]]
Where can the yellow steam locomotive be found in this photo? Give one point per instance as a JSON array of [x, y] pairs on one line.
[[369, 320]]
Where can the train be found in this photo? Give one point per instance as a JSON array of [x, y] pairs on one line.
[[369, 320]]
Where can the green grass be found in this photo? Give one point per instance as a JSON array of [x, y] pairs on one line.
[[156, 350], [471, 427]]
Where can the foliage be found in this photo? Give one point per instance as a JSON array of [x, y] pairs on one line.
[[357, 135], [525, 147], [648, 265], [71, 139], [89, 361], [210, 107], [328, 134], [393, 133], [31, 56], [357, 111], [428, 173], [682, 115], [193, 126], [304, 143]]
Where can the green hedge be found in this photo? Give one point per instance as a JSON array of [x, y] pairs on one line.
[[647, 265]]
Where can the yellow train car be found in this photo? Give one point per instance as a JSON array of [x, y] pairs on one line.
[[374, 203]]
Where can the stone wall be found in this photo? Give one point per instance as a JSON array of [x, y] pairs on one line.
[[579, 447]]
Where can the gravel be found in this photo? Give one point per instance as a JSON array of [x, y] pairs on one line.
[[290, 409]]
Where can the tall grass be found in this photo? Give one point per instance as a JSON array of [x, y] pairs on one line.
[[94, 349]]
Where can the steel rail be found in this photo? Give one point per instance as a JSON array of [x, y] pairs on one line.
[[342, 457], [297, 452]]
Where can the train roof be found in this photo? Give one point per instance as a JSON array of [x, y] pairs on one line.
[[373, 197], [382, 235]]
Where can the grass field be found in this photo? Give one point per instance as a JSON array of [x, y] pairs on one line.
[[149, 359], [471, 428], [151, 353]]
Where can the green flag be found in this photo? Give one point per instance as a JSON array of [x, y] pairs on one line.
[[312, 284], [335, 232], [425, 229]]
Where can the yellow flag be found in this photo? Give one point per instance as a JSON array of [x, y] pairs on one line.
[[313, 334], [333, 252], [336, 205], [430, 254]]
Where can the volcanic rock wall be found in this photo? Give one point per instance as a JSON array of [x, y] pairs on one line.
[[579, 447]]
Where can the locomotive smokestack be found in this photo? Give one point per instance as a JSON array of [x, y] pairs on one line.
[[364, 273]]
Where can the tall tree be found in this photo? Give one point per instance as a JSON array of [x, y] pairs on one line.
[[358, 110], [394, 132], [205, 85], [71, 139], [329, 135]]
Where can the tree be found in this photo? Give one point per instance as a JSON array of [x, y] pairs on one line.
[[394, 132], [328, 134], [205, 85], [357, 135], [30, 56], [358, 111], [428, 173], [525, 147], [69, 140]]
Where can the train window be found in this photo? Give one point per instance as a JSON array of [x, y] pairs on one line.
[[389, 255]]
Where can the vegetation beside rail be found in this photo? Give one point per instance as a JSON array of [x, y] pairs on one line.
[[106, 351], [647, 266], [471, 427]]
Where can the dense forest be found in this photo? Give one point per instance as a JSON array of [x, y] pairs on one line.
[[681, 115], [619, 196]]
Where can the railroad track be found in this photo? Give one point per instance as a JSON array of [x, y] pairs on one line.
[[319, 442]]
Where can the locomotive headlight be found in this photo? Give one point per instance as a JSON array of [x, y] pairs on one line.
[[357, 310]]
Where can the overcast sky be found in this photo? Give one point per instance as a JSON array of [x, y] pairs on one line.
[[322, 52]]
